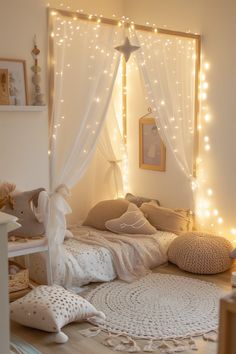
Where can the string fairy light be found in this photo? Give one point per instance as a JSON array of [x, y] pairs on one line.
[[209, 216], [205, 209]]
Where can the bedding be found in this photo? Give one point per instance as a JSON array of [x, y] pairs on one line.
[[104, 211], [131, 222], [137, 200], [165, 219], [92, 262]]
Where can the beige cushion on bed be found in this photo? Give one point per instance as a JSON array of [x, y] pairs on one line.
[[104, 211], [172, 220], [49, 308], [131, 222], [139, 200]]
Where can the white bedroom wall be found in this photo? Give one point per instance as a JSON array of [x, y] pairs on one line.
[[215, 20], [24, 136]]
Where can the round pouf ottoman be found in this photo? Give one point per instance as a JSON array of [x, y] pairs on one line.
[[201, 253]]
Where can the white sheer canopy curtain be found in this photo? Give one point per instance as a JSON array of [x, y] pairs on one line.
[[112, 147], [167, 66], [85, 68]]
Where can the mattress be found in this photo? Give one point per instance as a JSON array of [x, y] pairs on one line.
[[94, 263]]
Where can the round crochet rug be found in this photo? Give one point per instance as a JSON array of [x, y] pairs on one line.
[[158, 306]]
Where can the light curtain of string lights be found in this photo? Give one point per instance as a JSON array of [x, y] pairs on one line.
[[208, 215]]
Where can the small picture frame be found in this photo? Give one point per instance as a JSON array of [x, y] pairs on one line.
[[152, 151], [4, 87], [16, 82]]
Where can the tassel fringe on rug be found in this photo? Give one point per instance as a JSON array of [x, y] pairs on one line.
[[124, 343]]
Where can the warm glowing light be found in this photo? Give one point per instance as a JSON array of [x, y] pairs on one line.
[[203, 77], [220, 221], [215, 212], [206, 66], [203, 96], [207, 147], [233, 231], [207, 117], [210, 192], [206, 139]]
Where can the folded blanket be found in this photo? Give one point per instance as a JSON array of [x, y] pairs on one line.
[[133, 256]]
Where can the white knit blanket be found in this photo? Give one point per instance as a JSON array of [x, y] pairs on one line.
[[133, 255], [86, 263]]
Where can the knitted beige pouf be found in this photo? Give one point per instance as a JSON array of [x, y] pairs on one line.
[[200, 253]]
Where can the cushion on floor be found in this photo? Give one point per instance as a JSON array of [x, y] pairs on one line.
[[49, 308], [201, 253]]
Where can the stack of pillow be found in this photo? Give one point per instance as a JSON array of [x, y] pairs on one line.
[[138, 215]]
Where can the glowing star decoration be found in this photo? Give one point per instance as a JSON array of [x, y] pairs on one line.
[[127, 48]]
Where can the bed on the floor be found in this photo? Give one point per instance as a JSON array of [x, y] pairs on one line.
[[92, 263], [119, 239]]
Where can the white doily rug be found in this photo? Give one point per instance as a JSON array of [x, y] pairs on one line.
[[158, 306]]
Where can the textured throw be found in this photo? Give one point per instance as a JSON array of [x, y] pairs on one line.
[[166, 310], [132, 255]]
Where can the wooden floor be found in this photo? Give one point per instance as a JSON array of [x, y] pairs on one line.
[[78, 344]]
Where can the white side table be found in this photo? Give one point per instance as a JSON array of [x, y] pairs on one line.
[[7, 223], [16, 249]]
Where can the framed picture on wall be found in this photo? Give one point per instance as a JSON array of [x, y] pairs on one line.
[[152, 151], [13, 82]]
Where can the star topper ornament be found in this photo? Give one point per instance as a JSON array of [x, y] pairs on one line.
[[127, 48]]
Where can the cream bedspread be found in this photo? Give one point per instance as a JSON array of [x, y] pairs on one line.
[[94, 255], [132, 255]]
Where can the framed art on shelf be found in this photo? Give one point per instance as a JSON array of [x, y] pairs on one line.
[[152, 151], [13, 90]]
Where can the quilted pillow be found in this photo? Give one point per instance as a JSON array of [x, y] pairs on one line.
[[104, 211], [49, 308], [131, 222], [171, 220], [139, 200]]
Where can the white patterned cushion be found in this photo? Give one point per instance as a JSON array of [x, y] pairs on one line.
[[49, 308], [131, 222]]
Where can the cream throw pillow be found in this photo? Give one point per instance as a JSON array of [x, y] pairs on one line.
[[171, 220], [49, 308], [104, 211], [131, 222]]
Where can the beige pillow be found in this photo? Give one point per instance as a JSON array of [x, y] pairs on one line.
[[104, 211], [139, 200], [49, 308], [172, 220], [131, 222]]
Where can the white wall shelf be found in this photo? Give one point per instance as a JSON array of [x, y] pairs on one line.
[[10, 108]]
